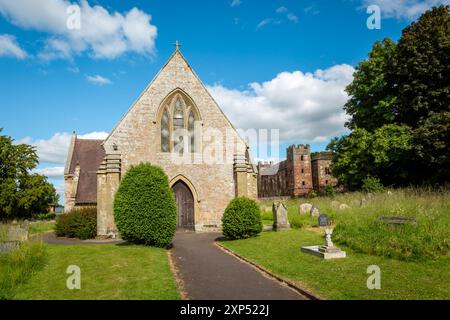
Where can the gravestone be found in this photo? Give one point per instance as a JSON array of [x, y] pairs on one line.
[[315, 212], [344, 206], [12, 235], [280, 217], [323, 220], [305, 208]]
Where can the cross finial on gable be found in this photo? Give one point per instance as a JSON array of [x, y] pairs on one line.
[[177, 45]]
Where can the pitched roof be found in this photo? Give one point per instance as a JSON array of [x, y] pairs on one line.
[[88, 154]]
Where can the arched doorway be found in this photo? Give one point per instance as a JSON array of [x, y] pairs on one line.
[[185, 205]]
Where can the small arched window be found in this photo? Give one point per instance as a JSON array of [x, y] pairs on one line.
[[191, 128], [165, 132], [180, 126]]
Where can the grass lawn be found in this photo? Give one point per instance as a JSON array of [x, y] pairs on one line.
[[107, 272], [41, 227], [280, 253]]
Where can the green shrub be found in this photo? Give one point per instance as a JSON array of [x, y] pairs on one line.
[[313, 194], [144, 207], [371, 184], [79, 223], [18, 266], [329, 191], [45, 216], [242, 219]]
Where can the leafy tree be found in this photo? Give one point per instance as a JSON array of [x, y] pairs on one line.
[[419, 74], [370, 105], [22, 194], [400, 110], [381, 154]]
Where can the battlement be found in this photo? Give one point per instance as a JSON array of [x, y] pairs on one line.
[[324, 155]]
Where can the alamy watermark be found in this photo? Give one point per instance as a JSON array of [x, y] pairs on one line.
[[73, 281], [374, 20], [374, 280]]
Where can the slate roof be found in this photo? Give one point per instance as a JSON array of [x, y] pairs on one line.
[[88, 154]]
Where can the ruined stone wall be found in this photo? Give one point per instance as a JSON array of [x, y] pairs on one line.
[[298, 175], [321, 166]]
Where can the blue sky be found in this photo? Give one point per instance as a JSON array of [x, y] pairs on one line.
[[261, 55]]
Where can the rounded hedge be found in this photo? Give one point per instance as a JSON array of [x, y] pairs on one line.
[[144, 207], [241, 219]]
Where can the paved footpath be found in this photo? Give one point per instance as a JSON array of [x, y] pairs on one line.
[[209, 273]]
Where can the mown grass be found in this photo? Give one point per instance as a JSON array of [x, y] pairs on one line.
[[119, 272], [360, 228], [39, 227], [346, 278], [18, 266]]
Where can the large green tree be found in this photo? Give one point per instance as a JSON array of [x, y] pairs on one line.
[[419, 71], [22, 193], [399, 109], [371, 105]]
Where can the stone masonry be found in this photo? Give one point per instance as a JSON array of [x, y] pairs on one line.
[[298, 175]]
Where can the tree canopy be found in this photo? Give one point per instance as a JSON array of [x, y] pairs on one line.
[[22, 193], [399, 109]]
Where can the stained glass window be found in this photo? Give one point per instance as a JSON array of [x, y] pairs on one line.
[[178, 125]]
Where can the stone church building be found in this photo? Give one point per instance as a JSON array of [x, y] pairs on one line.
[[166, 127]]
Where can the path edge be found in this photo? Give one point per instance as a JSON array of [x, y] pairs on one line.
[[177, 275], [289, 283]]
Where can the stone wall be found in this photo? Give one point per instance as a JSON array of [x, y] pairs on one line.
[[298, 175], [137, 139]]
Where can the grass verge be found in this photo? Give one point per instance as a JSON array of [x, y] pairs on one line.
[[279, 252], [117, 272]]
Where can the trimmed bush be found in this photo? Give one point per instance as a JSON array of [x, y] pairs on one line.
[[144, 207], [371, 184], [242, 219], [79, 223]]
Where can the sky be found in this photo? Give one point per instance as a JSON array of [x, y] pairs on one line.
[[284, 62]]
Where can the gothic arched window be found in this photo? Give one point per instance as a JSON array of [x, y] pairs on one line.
[[191, 128], [178, 130], [165, 132]]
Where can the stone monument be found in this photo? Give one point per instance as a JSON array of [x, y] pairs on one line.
[[280, 217], [326, 251]]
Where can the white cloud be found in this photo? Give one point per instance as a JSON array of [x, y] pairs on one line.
[[292, 17], [306, 107], [102, 34], [404, 9], [98, 80], [282, 10], [235, 3], [51, 172], [9, 47], [54, 150], [264, 22]]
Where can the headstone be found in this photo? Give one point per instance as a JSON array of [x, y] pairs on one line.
[[389, 193], [363, 202], [305, 208], [326, 251], [335, 204], [315, 212], [280, 217], [344, 206], [323, 220]]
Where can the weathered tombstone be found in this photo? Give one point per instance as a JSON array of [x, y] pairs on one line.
[[363, 202], [344, 206], [323, 220], [305, 208], [335, 204], [315, 212], [280, 217], [13, 235]]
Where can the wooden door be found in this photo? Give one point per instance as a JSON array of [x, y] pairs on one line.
[[185, 205]]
